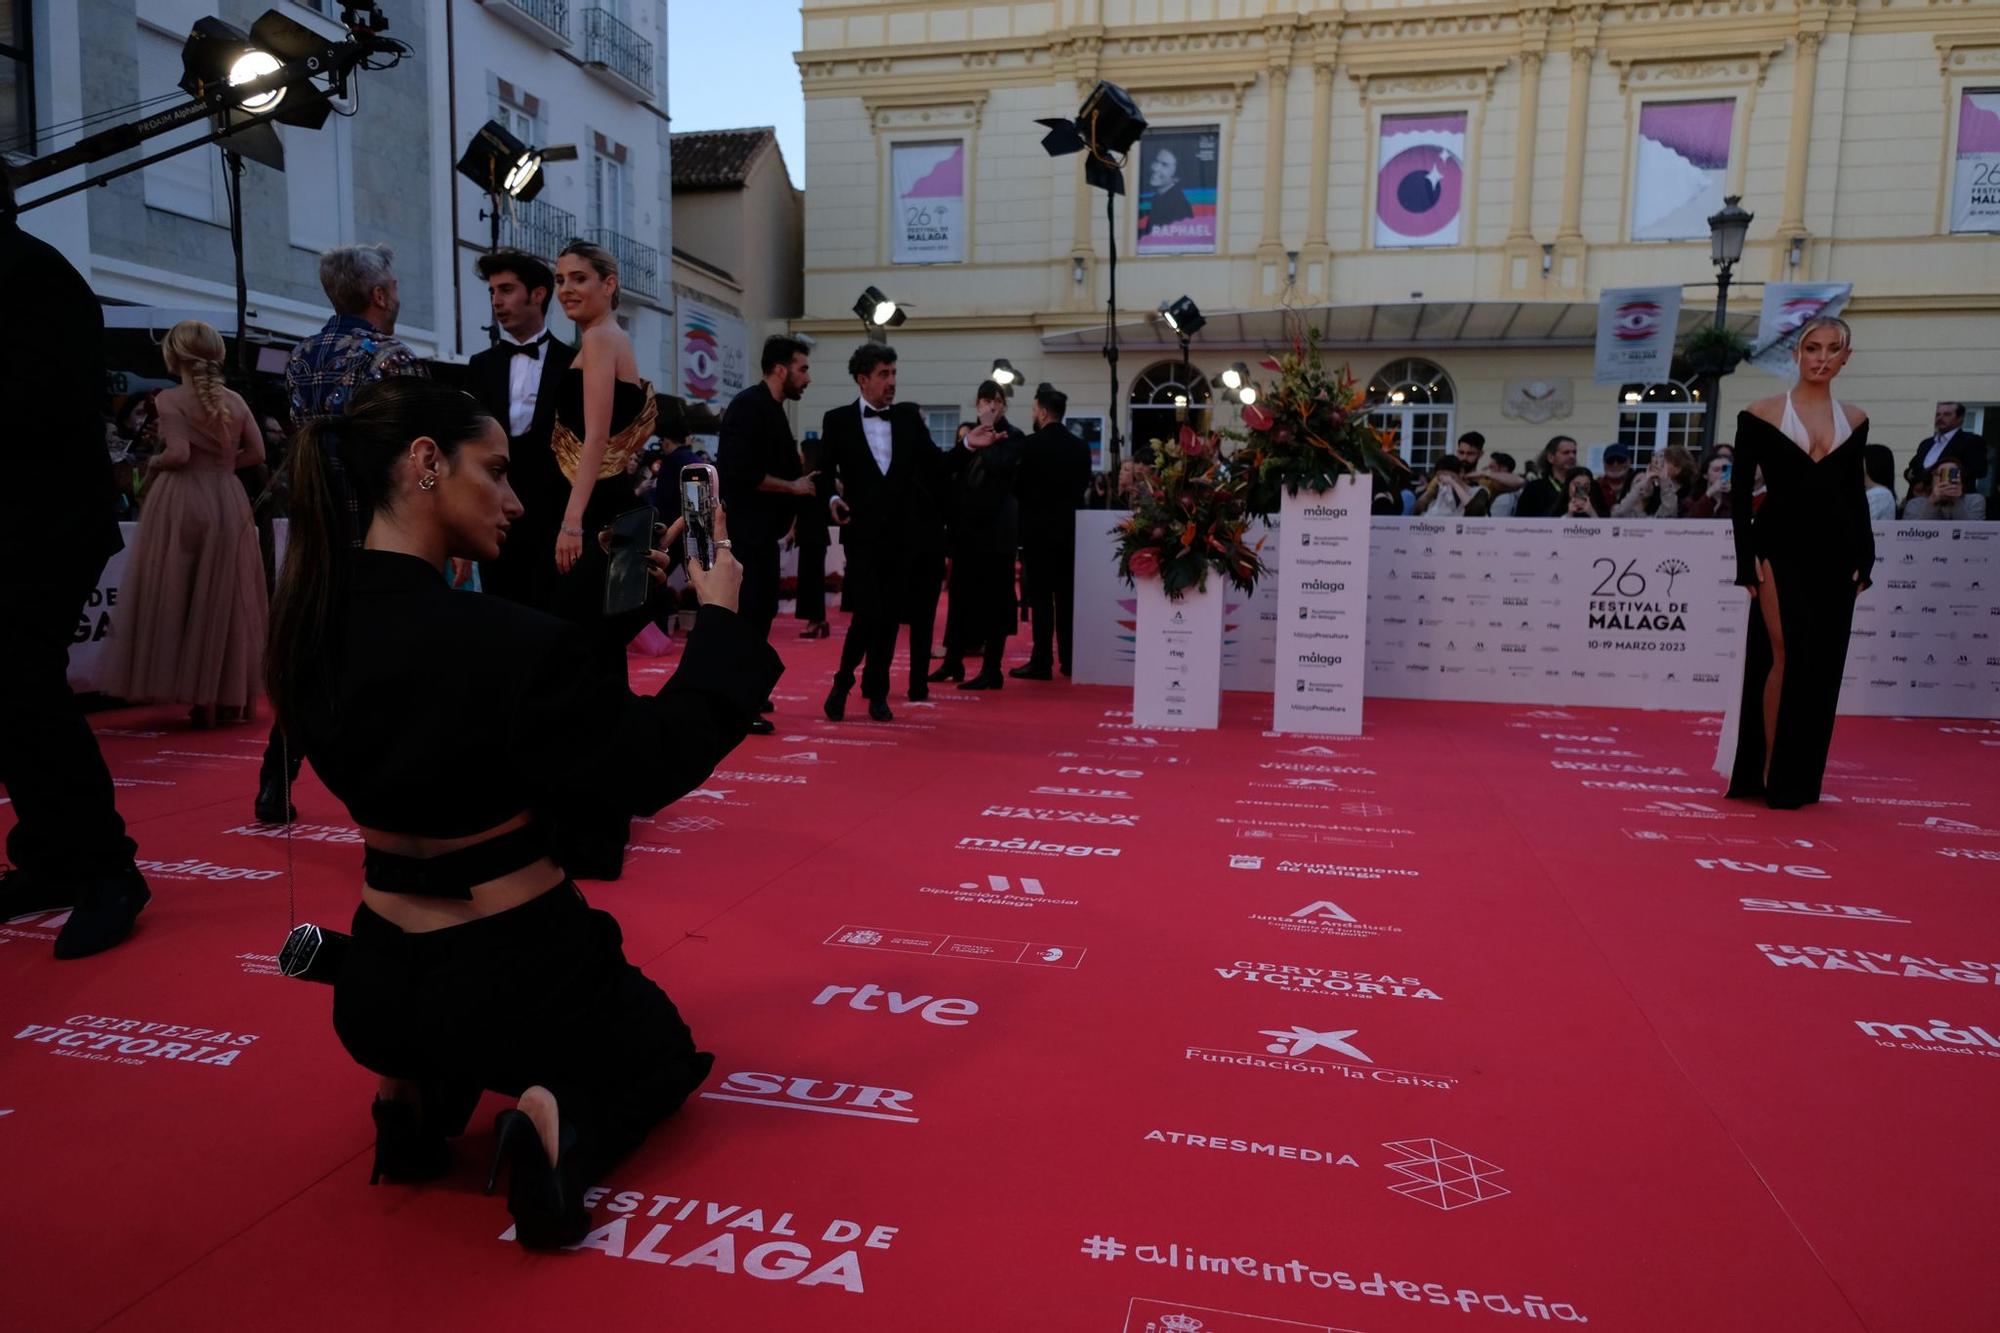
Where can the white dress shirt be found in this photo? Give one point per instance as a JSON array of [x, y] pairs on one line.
[[1939, 444], [524, 380], [880, 439]]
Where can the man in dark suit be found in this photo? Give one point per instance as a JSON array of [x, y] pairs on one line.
[[1943, 494], [516, 380], [880, 484], [1055, 473], [58, 526], [985, 534], [762, 482]]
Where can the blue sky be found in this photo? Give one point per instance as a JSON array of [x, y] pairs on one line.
[[729, 65]]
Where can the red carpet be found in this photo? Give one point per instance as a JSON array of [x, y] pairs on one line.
[[1491, 1018]]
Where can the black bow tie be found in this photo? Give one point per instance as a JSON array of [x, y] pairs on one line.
[[868, 411], [533, 349]]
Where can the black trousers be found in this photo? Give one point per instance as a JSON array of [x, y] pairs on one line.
[[926, 583], [66, 820], [1048, 579], [539, 995], [757, 600], [810, 603]]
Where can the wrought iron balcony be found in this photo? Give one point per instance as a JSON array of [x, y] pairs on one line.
[[545, 20], [610, 47], [638, 264], [539, 228]]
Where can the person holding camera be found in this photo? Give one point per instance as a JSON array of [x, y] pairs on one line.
[[455, 731], [1448, 492], [1713, 502], [1666, 489], [1944, 475]]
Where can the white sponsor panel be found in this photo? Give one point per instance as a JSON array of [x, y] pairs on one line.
[[1177, 673], [1322, 627]]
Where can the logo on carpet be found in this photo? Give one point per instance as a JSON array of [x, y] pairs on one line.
[[1087, 771], [1824, 911], [1442, 1176], [132, 1041], [944, 1013], [1309, 1051], [1045, 816], [1880, 963], [1149, 1316], [1325, 918], [299, 832], [1934, 1035], [1284, 1152], [196, 868], [633, 1233], [1326, 981], [1086, 793], [1034, 847], [819, 1095], [1760, 867], [1001, 891], [1026, 952]]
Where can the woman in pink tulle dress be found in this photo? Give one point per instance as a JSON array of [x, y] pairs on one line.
[[192, 609]]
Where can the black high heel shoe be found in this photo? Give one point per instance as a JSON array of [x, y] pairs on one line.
[[407, 1147], [546, 1204]]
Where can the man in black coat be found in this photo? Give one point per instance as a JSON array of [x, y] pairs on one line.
[[985, 534], [1055, 473], [58, 527], [880, 482], [763, 483], [1950, 443], [516, 380]]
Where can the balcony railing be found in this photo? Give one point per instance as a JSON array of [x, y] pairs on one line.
[[539, 228], [611, 46], [638, 264], [548, 18]]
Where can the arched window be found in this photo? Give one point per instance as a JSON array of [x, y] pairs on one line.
[[1159, 395], [1414, 400], [1653, 416]]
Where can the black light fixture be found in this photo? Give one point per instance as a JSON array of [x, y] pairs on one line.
[[878, 313], [507, 169], [1107, 125], [1184, 317], [1728, 226], [1003, 373], [1236, 380], [218, 57]]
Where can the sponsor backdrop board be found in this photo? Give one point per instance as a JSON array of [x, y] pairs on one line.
[[1322, 578], [1606, 612], [1024, 1018], [1177, 667]]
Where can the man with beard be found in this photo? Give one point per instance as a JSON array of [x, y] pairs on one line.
[[757, 458]]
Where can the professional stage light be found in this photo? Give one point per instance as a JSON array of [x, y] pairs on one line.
[[501, 164], [1184, 317], [219, 56], [1004, 374], [1107, 124], [878, 311], [1247, 394], [1236, 377]]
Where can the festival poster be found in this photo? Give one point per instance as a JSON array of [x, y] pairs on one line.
[[1975, 190], [928, 226], [715, 353], [1635, 334], [1787, 305], [1682, 159], [1420, 185], [1177, 191]]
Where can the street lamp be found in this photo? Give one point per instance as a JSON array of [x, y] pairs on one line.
[[1728, 226]]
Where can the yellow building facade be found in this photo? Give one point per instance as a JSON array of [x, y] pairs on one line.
[[1441, 188]]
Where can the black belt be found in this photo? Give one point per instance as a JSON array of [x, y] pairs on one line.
[[453, 874]]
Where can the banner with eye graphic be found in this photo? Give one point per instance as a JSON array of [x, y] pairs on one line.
[[1635, 334], [1420, 186]]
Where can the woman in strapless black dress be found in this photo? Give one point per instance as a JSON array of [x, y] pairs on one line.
[[1805, 553], [605, 413]]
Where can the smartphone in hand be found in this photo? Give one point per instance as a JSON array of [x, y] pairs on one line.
[[698, 506], [628, 575]]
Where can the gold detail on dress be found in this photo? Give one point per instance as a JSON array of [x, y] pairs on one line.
[[567, 445]]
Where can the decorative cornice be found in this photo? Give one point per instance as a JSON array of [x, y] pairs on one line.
[[899, 111], [1468, 79], [1968, 53], [1728, 63]]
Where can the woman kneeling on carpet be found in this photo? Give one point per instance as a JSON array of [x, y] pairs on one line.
[[454, 729]]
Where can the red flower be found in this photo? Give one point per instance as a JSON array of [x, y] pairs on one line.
[[1258, 417], [1145, 562], [1197, 446]]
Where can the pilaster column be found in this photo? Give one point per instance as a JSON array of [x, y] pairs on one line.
[[1581, 57], [1792, 221], [1316, 255], [1279, 76], [1521, 226]]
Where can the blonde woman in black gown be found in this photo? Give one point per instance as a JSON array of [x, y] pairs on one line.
[[1806, 553]]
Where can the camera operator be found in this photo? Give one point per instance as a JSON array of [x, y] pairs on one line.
[[456, 731]]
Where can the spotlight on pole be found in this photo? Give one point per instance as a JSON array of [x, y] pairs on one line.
[[1184, 317], [507, 169], [218, 59], [877, 312], [1004, 374]]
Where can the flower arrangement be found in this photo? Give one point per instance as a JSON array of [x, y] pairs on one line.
[[1188, 516], [1309, 429]]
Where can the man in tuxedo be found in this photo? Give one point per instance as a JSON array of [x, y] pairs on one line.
[[880, 486], [1947, 469], [516, 380], [985, 535], [1055, 472], [757, 460], [58, 526]]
